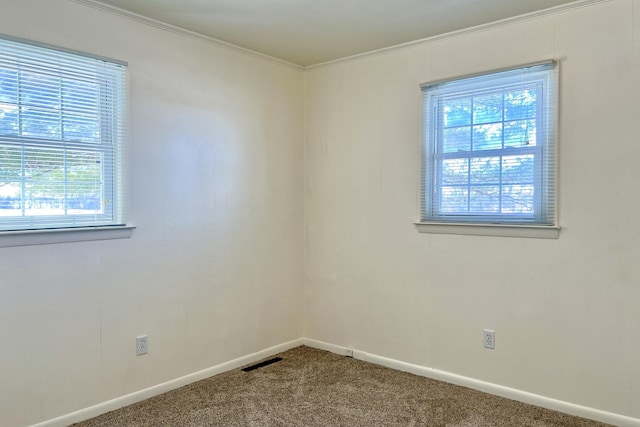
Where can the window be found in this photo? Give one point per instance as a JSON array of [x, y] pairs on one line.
[[62, 125], [489, 148]]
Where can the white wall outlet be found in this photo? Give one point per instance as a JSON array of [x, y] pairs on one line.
[[142, 345], [489, 339], [349, 352]]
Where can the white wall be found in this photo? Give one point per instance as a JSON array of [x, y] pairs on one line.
[[568, 327], [214, 271]]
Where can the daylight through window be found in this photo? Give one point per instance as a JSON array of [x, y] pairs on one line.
[[489, 148], [61, 138]]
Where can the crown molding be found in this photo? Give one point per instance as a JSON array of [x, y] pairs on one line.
[[179, 30], [483, 27], [96, 4]]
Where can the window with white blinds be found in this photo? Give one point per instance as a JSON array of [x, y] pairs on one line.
[[489, 150], [62, 138]]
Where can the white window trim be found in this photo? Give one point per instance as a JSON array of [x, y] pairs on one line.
[[498, 230], [479, 228], [117, 228], [64, 235]]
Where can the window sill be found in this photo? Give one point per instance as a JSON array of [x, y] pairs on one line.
[[63, 235], [501, 230]]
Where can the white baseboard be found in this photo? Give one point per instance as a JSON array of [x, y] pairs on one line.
[[495, 389], [138, 396]]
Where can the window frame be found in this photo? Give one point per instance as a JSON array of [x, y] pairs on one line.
[[543, 221], [111, 106]]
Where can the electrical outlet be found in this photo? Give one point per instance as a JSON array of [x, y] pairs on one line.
[[489, 339], [142, 345], [349, 352]]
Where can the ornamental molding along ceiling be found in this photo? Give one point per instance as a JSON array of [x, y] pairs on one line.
[[307, 34]]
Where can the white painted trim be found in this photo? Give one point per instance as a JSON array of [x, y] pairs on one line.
[[495, 389], [138, 396], [502, 230], [321, 345], [64, 235], [483, 27], [457, 33], [96, 4]]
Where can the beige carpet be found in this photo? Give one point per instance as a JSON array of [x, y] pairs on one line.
[[315, 388]]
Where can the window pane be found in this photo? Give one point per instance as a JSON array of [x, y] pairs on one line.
[[84, 198], [485, 170], [81, 128], [10, 164], [487, 108], [520, 104], [455, 171], [41, 164], [457, 112], [517, 199], [84, 166], [485, 199], [10, 199], [84, 182], [520, 133], [456, 139], [80, 97], [80, 103], [39, 123], [9, 120], [454, 199], [487, 137], [10, 178], [8, 85], [44, 198], [44, 187], [40, 89], [517, 169], [40, 99]]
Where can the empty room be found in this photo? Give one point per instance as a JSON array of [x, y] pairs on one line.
[[388, 212]]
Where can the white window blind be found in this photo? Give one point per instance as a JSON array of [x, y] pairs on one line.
[[489, 149], [62, 138]]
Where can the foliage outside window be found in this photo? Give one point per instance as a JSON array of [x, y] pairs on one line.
[[61, 138], [489, 148]]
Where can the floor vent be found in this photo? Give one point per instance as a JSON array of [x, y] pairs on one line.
[[261, 364]]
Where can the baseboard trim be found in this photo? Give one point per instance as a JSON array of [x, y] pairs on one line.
[[495, 389], [138, 396]]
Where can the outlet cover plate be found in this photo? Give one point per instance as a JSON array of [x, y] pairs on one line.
[[489, 339], [142, 345]]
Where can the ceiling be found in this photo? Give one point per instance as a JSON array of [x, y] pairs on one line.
[[308, 32]]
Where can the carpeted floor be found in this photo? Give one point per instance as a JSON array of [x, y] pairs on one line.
[[310, 387]]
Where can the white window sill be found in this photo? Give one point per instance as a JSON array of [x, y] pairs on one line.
[[64, 235], [501, 230]]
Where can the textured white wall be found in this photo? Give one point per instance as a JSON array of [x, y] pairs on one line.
[[565, 311], [214, 271]]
